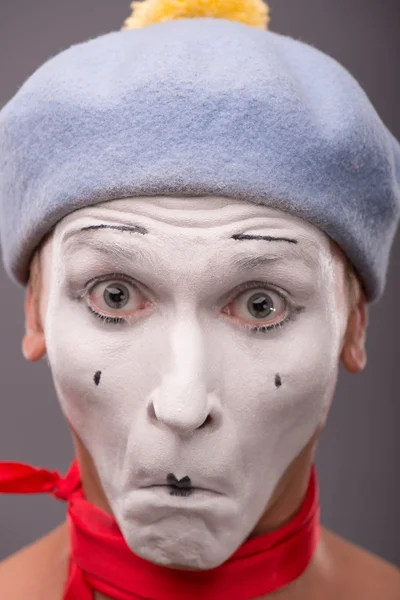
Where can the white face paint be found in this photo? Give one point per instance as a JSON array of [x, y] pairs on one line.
[[184, 383]]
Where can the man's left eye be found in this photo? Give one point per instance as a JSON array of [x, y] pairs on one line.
[[115, 297], [258, 306]]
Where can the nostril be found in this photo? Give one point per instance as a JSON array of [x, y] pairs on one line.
[[206, 422], [152, 412]]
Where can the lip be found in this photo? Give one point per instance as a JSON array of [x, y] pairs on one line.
[[154, 503], [199, 483], [162, 488]]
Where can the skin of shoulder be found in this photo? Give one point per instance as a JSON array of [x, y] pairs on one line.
[[351, 573], [38, 571], [342, 570]]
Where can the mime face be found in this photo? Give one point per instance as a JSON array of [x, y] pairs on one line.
[[194, 346]]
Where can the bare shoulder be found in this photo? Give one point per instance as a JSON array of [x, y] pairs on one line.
[[353, 573], [39, 571]]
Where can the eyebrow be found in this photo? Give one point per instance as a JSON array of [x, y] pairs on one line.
[[247, 263], [120, 252], [267, 238], [86, 236], [129, 228], [144, 231]]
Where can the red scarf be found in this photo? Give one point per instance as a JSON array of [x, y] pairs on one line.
[[100, 559]]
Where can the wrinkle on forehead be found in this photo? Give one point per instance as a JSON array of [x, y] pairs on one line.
[[192, 212], [202, 219]]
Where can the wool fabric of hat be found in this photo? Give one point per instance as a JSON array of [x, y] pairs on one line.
[[192, 105]]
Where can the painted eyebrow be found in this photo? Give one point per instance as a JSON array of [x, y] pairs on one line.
[[87, 237], [242, 263], [143, 231], [267, 238], [129, 228]]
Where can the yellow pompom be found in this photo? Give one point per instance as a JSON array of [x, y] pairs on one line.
[[147, 12]]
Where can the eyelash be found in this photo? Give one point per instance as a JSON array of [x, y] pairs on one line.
[[267, 328], [293, 310], [105, 319]]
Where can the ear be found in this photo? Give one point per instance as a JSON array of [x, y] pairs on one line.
[[354, 356], [33, 343]]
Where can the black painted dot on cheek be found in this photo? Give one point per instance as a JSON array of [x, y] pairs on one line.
[[278, 380], [96, 377]]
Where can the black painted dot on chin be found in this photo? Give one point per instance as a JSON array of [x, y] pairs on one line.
[[278, 380], [97, 377]]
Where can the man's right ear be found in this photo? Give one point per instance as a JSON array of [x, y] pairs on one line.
[[33, 343]]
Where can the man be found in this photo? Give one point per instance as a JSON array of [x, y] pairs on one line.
[[195, 395]]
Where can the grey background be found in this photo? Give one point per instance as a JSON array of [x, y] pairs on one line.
[[359, 451]]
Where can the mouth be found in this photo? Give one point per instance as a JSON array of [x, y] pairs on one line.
[[176, 490], [183, 487]]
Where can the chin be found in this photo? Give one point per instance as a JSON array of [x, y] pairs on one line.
[[178, 543]]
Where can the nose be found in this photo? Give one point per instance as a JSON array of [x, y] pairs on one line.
[[181, 401]]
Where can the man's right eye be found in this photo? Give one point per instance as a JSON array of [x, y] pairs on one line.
[[115, 299]]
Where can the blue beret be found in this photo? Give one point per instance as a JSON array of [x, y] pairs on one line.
[[197, 107]]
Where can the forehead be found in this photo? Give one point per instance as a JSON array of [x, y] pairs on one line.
[[212, 221]]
